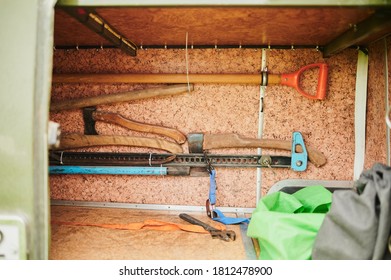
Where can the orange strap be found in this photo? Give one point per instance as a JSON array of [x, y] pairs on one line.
[[147, 224]]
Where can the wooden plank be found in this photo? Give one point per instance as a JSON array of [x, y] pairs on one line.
[[217, 25], [70, 32], [364, 33], [232, 26]]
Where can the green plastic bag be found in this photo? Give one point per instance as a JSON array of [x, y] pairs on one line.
[[286, 224]]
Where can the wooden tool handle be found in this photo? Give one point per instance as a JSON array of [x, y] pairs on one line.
[[159, 78], [219, 141], [137, 126], [264, 78], [74, 140], [120, 97]]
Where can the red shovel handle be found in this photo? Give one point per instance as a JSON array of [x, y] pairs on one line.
[[293, 80]]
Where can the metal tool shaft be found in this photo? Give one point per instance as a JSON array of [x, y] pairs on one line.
[[168, 160], [226, 235], [195, 221]]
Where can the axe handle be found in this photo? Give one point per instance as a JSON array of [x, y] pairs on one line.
[[119, 97], [219, 141], [137, 126], [74, 140]]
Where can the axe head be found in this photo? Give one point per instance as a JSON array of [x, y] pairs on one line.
[[89, 122], [196, 143]]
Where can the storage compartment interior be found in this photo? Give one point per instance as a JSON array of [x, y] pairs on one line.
[[117, 41]]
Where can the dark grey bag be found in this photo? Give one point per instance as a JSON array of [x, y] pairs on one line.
[[358, 225]]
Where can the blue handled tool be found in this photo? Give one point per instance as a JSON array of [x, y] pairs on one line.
[[114, 170]]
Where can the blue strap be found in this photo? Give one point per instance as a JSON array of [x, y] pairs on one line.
[[228, 220], [213, 187], [217, 215]]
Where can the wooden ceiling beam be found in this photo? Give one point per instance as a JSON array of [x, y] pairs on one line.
[[89, 18], [376, 26]]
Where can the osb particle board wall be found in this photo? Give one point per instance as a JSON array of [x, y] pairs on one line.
[[326, 125]]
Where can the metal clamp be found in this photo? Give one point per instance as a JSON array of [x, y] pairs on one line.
[[210, 209], [264, 81], [209, 166]]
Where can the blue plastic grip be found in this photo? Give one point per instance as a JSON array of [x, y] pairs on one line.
[[113, 170], [299, 160]]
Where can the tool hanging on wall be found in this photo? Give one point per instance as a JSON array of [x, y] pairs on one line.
[[210, 205], [171, 164], [263, 79], [167, 160], [75, 140], [91, 115], [176, 165], [119, 97], [108, 170], [198, 142]]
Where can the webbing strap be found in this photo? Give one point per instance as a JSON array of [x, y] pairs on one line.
[[220, 217], [147, 224], [216, 214]]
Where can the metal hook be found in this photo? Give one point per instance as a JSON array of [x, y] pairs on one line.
[[353, 26], [209, 166]]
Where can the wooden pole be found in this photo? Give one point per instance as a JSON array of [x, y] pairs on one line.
[[166, 78], [120, 97]]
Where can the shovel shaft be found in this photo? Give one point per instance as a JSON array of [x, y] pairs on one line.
[[159, 78], [166, 78], [263, 78]]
